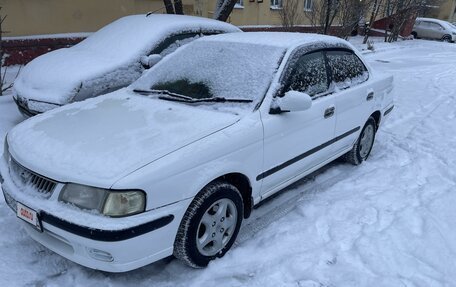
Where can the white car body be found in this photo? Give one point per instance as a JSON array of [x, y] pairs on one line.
[[172, 150], [107, 60]]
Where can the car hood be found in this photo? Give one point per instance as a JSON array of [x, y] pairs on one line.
[[57, 76], [98, 141]]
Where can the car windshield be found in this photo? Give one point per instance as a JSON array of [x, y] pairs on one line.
[[214, 72]]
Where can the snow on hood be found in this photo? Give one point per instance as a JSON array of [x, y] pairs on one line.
[[103, 139], [56, 76]]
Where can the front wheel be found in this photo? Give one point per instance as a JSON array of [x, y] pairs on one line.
[[210, 225], [363, 146]]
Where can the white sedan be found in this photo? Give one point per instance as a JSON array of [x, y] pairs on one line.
[[110, 59], [175, 162]]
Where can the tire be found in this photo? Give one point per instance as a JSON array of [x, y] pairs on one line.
[[446, 38], [205, 233], [415, 35], [363, 146]]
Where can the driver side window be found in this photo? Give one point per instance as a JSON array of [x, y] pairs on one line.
[[309, 75]]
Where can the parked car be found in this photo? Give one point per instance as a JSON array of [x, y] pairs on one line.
[[109, 59], [436, 29], [175, 162]]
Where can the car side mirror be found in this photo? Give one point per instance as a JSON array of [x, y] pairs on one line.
[[149, 61], [292, 101]]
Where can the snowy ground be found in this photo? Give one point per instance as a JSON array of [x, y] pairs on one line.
[[388, 222]]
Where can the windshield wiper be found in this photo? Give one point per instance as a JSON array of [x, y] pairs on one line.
[[222, 100], [205, 100], [172, 95]]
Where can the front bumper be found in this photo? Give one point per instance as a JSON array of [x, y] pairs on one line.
[[140, 239]]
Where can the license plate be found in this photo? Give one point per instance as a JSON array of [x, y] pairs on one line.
[[28, 215]]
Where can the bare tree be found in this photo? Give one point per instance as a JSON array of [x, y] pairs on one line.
[[174, 8], [4, 86], [350, 13], [168, 6], [374, 9], [290, 15], [223, 9], [400, 13], [178, 7], [322, 15]]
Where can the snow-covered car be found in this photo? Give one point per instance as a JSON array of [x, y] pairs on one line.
[[112, 58], [435, 29], [173, 163]]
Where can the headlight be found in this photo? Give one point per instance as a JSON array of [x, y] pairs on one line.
[[124, 202], [106, 201]]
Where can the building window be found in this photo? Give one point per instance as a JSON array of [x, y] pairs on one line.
[[276, 4], [239, 4], [308, 5]]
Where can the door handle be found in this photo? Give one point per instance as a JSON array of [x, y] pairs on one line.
[[370, 96], [329, 112]]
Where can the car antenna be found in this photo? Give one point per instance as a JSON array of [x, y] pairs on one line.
[[152, 12]]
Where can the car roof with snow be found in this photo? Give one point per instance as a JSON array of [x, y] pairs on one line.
[[277, 39], [137, 32], [442, 22]]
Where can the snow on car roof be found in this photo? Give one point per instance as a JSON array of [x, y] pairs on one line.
[[276, 39], [442, 22], [133, 33]]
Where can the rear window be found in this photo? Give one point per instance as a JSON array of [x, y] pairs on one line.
[[347, 69]]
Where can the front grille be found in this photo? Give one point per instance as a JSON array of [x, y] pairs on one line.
[[26, 178]]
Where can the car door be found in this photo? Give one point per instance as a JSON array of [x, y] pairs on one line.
[[354, 98], [436, 31], [425, 30], [294, 141]]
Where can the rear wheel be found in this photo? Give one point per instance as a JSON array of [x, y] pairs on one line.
[[415, 35], [210, 225], [446, 38], [363, 146]]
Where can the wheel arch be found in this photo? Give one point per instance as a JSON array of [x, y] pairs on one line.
[[242, 183], [446, 36], [377, 117]]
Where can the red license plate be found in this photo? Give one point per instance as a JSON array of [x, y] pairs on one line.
[[28, 215]]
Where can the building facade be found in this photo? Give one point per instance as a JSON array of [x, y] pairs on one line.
[[40, 17]]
